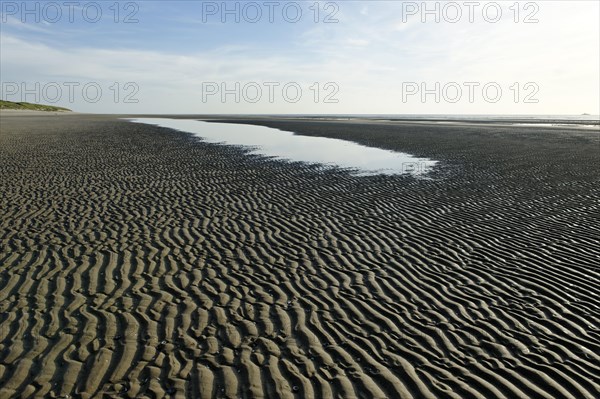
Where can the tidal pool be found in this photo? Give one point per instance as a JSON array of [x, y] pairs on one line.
[[278, 144]]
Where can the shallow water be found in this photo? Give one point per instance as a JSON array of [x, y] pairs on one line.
[[288, 146]]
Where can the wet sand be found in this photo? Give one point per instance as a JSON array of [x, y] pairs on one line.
[[136, 261]]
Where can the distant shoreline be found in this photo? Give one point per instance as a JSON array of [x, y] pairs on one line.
[[31, 112], [498, 121], [360, 119]]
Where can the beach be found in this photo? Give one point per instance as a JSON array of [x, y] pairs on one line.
[[137, 261]]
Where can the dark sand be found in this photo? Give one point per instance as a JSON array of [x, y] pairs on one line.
[[136, 261]]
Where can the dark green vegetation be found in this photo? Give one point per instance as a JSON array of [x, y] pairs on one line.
[[30, 106]]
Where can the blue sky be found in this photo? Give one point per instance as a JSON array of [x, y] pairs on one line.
[[372, 57]]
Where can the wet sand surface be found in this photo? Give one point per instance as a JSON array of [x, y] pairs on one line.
[[136, 261]]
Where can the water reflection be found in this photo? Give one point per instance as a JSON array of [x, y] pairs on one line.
[[289, 146]]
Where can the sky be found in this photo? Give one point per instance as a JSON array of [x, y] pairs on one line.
[[303, 57]]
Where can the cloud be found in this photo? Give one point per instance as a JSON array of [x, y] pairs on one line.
[[358, 42], [365, 54]]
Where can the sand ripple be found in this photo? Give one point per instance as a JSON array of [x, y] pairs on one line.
[[137, 263]]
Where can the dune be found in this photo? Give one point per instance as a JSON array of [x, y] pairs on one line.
[[137, 261]]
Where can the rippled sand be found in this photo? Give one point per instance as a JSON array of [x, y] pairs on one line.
[[138, 262]]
